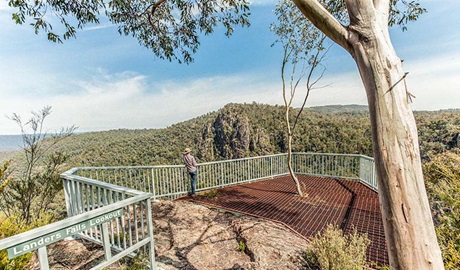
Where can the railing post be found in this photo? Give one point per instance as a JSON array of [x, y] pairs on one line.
[[374, 177], [248, 170], [222, 182], [106, 242], [153, 184], [271, 166], [67, 196], [43, 258], [150, 229]]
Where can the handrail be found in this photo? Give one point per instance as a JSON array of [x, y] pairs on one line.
[[118, 218], [44, 230], [171, 181], [124, 235], [92, 191], [95, 183]]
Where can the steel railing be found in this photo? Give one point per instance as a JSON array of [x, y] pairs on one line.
[[367, 172], [354, 167], [94, 191], [127, 233], [170, 182], [118, 218]]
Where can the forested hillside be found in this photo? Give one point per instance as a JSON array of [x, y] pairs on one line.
[[242, 130]]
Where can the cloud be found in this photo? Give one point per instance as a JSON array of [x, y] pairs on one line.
[[434, 82], [99, 26], [129, 100], [4, 6], [133, 100]]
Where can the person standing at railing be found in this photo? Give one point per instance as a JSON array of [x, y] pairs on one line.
[[190, 164]]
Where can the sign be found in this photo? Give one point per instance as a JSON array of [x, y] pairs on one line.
[[55, 236]]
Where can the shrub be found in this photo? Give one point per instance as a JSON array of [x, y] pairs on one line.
[[36, 179], [241, 246], [442, 176], [139, 262], [13, 225], [211, 194], [4, 175], [333, 250]]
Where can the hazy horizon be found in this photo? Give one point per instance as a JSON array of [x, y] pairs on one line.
[[80, 131]]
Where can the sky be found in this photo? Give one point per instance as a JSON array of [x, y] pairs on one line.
[[101, 80]]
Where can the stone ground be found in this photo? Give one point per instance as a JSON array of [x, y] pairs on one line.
[[192, 236]]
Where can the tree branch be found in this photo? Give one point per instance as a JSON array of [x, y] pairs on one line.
[[309, 85], [150, 11], [154, 6], [324, 21]]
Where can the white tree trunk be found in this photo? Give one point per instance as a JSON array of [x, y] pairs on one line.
[[409, 229], [289, 157]]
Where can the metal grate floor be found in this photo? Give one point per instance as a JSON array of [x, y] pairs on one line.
[[344, 203]]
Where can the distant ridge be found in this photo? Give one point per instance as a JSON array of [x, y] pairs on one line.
[[350, 108], [340, 108]]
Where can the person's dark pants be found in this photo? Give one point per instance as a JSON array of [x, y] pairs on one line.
[[193, 176]]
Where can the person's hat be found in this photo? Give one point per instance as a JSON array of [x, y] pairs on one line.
[[187, 150]]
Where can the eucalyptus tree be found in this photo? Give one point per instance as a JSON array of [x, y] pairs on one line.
[[171, 30], [408, 223], [303, 50]]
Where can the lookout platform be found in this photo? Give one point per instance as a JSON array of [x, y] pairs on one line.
[[257, 186], [344, 203]]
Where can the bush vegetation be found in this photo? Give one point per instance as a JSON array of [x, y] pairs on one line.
[[4, 175], [34, 180], [243, 130], [13, 225], [332, 250], [443, 185]]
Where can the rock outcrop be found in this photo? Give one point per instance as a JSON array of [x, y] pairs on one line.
[[232, 135], [232, 131], [193, 236]]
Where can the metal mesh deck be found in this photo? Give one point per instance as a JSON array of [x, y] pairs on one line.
[[344, 203]]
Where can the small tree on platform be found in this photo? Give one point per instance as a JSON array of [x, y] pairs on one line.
[[303, 50]]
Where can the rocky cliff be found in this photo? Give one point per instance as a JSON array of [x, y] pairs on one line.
[[194, 237]]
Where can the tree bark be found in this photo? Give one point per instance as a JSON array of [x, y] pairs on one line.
[[409, 228], [289, 157]]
